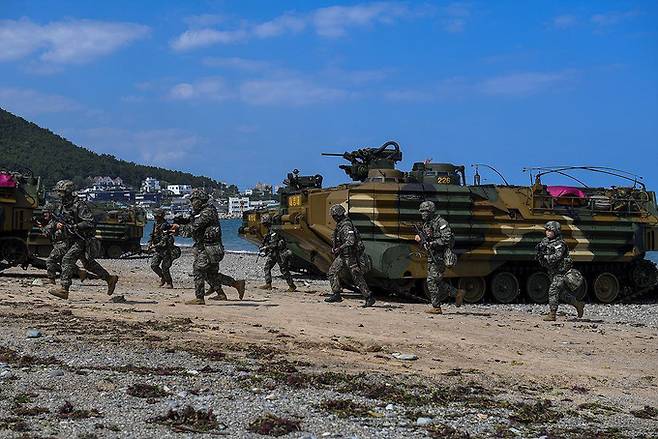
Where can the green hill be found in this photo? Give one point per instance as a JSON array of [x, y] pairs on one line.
[[52, 157]]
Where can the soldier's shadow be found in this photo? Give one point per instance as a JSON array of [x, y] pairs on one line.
[[244, 303], [139, 302]]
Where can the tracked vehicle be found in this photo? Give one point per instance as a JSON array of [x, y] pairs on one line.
[[497, 227], [20, 192], [119, 231]]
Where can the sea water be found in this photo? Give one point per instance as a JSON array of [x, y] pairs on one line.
[[230, 237]]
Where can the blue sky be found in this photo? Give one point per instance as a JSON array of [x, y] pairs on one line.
[[245, 91]]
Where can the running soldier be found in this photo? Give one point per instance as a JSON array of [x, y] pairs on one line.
[[435, 236], [205, 231], [553, 254], [57, 239], [348, 250], [162, 242], [73, 216], [276, 249]]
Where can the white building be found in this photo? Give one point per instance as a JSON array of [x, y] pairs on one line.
[[180, 189], [237, 205], [150, 185]]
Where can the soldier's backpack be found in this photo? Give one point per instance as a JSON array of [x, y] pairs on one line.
[[175, 252], [574, 279]]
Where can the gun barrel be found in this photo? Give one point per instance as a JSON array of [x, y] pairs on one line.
[[332, 154]]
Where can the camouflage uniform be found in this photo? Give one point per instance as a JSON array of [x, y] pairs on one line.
[[439, 236], [348, 250], [276, 249], [77, 215], [60, 246], [205, 231], [553, 254], [163, 245]]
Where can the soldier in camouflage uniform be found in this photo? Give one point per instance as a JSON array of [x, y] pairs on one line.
[[553, 254], [74, 217], [276, 250], [348, 251], [162, 242], [439, 236], [206, 232], [58, 240]]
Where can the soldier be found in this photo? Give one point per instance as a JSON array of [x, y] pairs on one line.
[[348, 252], [58, 240], [437, 236], [206, 232], [276, 250], [553, 254], [74, 216], [162, 242]]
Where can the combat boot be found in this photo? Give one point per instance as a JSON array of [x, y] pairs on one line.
[[82, 274], [580, 308], [550, 317], [434, 310], [459, 298], [162, 282], [61, 292], [241, 286], [112, 284], [265, 287], [196, 301], [370, 301], [335, 297], [169, 285], [292, 288], [220, 295]]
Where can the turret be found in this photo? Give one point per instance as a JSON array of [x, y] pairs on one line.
[[372, 163]]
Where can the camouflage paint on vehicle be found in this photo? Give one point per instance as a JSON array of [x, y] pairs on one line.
[[119, 231], [19, 197], [496, 229]]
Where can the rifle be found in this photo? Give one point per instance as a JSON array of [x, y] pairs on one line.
[[62, 219], [425, 243]]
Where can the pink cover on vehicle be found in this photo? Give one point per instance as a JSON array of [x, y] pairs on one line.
[[565, 191], [7, 180]]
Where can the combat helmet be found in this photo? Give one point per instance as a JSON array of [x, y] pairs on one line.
[[65, 186], [427, 206], [337, 210], [266, 219], [158, 213], [554, 226], [199, 194]]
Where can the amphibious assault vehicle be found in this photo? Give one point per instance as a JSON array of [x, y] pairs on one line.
[[497, 227], [20, 192], [119, 231]]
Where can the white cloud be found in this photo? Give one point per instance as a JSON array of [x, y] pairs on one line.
[[207, 88], [196, 38], [328, 22], [28, 102], [334, 21], [65, 42], [287, 23], [564, 21], [612, 18], [521, 84]]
